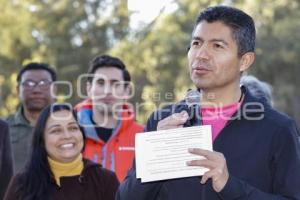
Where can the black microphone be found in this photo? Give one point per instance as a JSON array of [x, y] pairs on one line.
[[192, 100]]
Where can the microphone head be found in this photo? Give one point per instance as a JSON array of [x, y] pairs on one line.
[[193, 97]]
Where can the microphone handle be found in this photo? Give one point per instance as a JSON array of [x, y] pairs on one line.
[[197, 115], [195, 118]]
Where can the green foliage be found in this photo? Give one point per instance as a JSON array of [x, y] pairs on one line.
[[278, 51], [65, 33]]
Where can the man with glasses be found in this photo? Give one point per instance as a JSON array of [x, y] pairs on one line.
[[34, 90]]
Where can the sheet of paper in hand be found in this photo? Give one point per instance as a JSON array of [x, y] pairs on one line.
[[162, 155]]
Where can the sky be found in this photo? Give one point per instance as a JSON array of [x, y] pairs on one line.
[[144, 11]]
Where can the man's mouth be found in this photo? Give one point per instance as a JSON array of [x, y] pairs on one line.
[[200, 70]]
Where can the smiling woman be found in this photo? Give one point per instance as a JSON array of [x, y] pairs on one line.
[[56, 169], [63, 137]]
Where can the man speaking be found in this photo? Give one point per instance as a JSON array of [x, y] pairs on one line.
[[256, 151]]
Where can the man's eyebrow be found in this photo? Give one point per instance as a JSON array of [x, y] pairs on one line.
[[115, 80], [109, 80], [197, 38], [220, 40], [28, 80], [212, 40]]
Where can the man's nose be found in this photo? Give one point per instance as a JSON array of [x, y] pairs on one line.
[[37, 88], [108, 89], [203, 52]]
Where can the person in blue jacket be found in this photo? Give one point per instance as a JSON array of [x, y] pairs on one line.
[[256, 153]]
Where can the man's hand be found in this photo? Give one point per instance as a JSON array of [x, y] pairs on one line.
[[173, 121], [216, 163]]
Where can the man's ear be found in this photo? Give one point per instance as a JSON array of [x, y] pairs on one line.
[[88, 89], [246, 61]]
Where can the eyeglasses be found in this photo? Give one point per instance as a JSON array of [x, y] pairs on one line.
[[42, 84]]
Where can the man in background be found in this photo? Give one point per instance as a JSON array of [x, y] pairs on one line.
[[259, 89], [34, 90], [109, 121]]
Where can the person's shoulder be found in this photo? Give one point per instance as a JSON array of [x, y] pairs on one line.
[[283, 126], [136, 127], [11, 118], [3, 123], [96, 169], [107, 173], [278, 118], [93, 166], [83, 105], [15, 116], [270, 116]]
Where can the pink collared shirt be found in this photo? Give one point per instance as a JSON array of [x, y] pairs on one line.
[[217, 117]]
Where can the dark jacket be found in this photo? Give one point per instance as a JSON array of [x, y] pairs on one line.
[[262, 154], [94, 183], [6, 164]]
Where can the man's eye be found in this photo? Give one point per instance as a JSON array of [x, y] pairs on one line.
[[42, 83], [218, 46], [117, 84], [29, 83], [100, 82], [195, 43]]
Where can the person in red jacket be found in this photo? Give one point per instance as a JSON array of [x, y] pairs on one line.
[[106, 117]]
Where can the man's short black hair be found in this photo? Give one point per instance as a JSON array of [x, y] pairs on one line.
[[107, 61], [241, 24], [36, 66]]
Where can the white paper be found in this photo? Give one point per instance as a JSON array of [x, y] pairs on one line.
[[162, 155]]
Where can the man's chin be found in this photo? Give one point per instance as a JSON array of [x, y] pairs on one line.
[[109, 110], [37, 106], [202, 85]]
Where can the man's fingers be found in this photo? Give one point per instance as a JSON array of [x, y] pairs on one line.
[[207, 175], [210, 155], [174, 121], [219, 178], [178, 118], [203, 163]]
